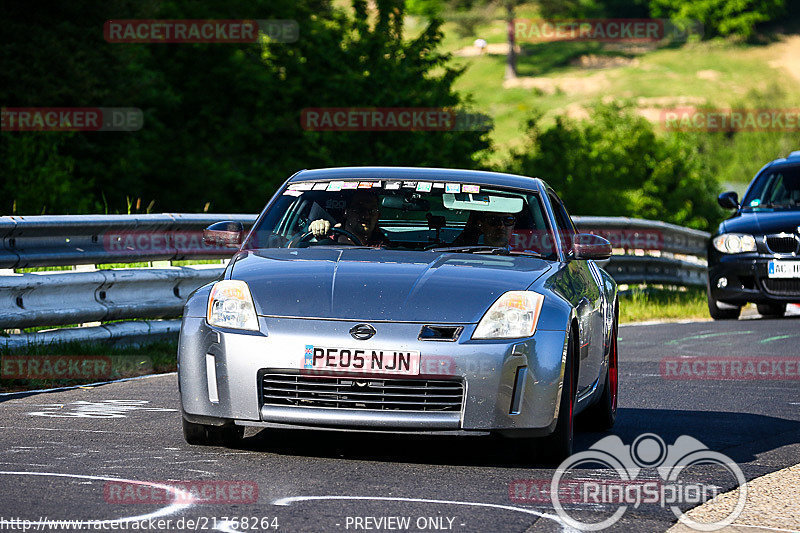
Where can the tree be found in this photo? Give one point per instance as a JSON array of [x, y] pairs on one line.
[[221, 121], [617, 156]]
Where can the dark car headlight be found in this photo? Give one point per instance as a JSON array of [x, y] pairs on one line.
[[734, 243], [514, 315], [230, 305]]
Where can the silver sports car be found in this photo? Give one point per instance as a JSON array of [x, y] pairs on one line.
[[404, 300]]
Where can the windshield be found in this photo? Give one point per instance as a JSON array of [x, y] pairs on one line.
[[776, 188], [405, 216]]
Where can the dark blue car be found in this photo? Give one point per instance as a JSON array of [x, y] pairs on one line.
[[755, 254]]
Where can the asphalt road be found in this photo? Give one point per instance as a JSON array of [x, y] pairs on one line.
[[62, 454]]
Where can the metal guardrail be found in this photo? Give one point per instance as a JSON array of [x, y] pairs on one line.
[[56, 240], [637, 233], [72, 297], [59, 298]]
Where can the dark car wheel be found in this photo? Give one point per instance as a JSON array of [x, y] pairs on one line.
[[720, 310], [771, 310], [602, 415], [203, 435], [558, 445]]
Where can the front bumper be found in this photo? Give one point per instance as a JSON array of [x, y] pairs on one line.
[[507, 385], [748, 281]]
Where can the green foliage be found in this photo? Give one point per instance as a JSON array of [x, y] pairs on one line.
[[618, 158], [735, 157], [425, 8], [221, 121], [593, 8], [36, 179], [668, 303], [720, 17]]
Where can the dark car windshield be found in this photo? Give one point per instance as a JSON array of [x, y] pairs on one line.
[[405, 216], [778, 187]]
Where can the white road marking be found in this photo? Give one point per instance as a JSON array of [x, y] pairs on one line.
[[79, 430], [159, 513], [564, 527], [101, 409]]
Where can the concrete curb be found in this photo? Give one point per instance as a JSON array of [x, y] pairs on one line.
[[772, 505]]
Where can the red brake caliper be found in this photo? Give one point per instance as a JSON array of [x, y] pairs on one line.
[[612, 369]]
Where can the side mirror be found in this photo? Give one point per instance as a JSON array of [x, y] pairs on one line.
[[729, 200], [226, 233], [589, 246]]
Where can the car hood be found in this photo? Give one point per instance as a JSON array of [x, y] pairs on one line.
[[373, 284], [763, 222]]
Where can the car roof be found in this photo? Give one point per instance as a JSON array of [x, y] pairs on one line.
[[422, 173], [792, 158]]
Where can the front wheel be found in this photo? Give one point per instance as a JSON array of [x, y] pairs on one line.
[[720, 310], [558, 445], [602, 415], [204, 435]]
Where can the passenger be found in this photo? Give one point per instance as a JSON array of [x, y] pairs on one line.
[[495, 228]]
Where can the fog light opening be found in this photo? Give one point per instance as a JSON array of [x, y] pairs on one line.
[[722, 283], [211, 378]]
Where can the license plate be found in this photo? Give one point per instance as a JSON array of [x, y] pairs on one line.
[[783, 269], [361, 361]]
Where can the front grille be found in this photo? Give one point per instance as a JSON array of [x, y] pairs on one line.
[[782, 287], [781, 245], [361, 393]]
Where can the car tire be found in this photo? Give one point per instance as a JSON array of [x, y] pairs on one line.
[[557, 446], [601, 416], [204, 435], [771, 310], [720, 310]]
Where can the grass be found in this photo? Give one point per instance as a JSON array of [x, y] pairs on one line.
[[719, 72], [640, 305], [116, 363]]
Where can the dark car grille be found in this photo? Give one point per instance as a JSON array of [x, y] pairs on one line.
[[782, 287], [361, 393], [782, 245]]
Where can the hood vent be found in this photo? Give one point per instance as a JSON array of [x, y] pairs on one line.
[[440, 333]]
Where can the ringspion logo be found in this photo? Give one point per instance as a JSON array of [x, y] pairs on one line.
[[648, 471]]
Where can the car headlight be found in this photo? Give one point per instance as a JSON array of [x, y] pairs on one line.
[[513, 315], [734, 243], [230, 305]]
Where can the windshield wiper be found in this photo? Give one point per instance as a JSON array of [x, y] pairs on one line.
[[484, 249], [470, 249]]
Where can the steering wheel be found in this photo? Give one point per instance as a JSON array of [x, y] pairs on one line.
[[305, 237]]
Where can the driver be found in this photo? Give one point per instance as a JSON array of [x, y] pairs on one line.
[[360, 219]]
